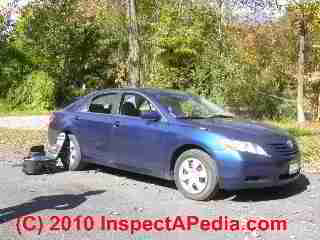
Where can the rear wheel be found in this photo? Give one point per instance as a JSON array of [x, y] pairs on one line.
[[71, 154], [196, 175]]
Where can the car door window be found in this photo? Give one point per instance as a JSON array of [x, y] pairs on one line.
[[146, 106], [135, 105], [103, 104]]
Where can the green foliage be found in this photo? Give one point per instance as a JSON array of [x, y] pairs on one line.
[[37, 91], [310, 151], [291, 127], [4, 106], [2, 23], [287, 110], [83, 45], [78, 43], [184, 51], [76, 47], [300, 132], [43, 90]]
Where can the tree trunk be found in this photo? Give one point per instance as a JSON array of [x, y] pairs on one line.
[[134, 48], [300, 111], [318, 108], [221, 24]]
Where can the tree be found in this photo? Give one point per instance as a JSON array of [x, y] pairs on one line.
[[301, 62], [304, 12], [134, 47]]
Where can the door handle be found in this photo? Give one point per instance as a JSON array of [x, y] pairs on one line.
[[116, 124], [77, 118]]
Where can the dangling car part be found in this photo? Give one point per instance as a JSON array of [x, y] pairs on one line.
[[67, 150], [54, 150]]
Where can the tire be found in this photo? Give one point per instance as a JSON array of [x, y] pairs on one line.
[[71, 154], [196, 175]]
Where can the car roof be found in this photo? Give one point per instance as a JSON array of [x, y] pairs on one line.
[[148, 91]]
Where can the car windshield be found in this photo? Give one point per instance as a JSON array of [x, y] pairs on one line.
[[190, 106]]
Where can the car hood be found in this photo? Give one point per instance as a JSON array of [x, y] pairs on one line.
[[239, 129]]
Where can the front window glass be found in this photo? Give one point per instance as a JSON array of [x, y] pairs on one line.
[[135, 105], [189, 106]]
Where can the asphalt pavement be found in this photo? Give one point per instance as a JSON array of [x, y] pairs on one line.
[[112, 194]]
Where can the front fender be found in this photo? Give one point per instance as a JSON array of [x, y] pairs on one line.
[[186, 139]]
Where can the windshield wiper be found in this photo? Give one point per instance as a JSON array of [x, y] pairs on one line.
[[219, 115], [191, 117]]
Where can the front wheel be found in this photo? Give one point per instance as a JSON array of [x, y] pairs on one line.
[[196, 175]]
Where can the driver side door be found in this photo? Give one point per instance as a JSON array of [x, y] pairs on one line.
[[139, 143]]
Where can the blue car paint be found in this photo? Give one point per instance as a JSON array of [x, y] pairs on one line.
[[148, 147]]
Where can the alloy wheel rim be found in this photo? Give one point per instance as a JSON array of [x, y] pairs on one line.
[[193, 175], [73, 153]]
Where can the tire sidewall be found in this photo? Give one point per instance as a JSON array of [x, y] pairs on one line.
[[76, 164], [212, 171]]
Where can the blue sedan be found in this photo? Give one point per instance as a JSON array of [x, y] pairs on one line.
[[175, 136]]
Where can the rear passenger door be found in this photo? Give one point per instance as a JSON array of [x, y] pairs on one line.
[[95, 128]]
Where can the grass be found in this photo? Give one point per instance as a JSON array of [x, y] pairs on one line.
[[20, 140], [292, 128], [308, 138], [5, 110]]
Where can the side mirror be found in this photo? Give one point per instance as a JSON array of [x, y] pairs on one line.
[[153, 116]]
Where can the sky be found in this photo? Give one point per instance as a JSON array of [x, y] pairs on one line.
[[18, 3], [258, 10], [13, 4], [250, 10]]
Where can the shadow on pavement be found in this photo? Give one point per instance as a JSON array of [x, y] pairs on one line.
[[134, 176], [266, 194], [56, 202]]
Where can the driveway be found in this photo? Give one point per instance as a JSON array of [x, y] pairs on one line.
[[116, 194], [27, 122]]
